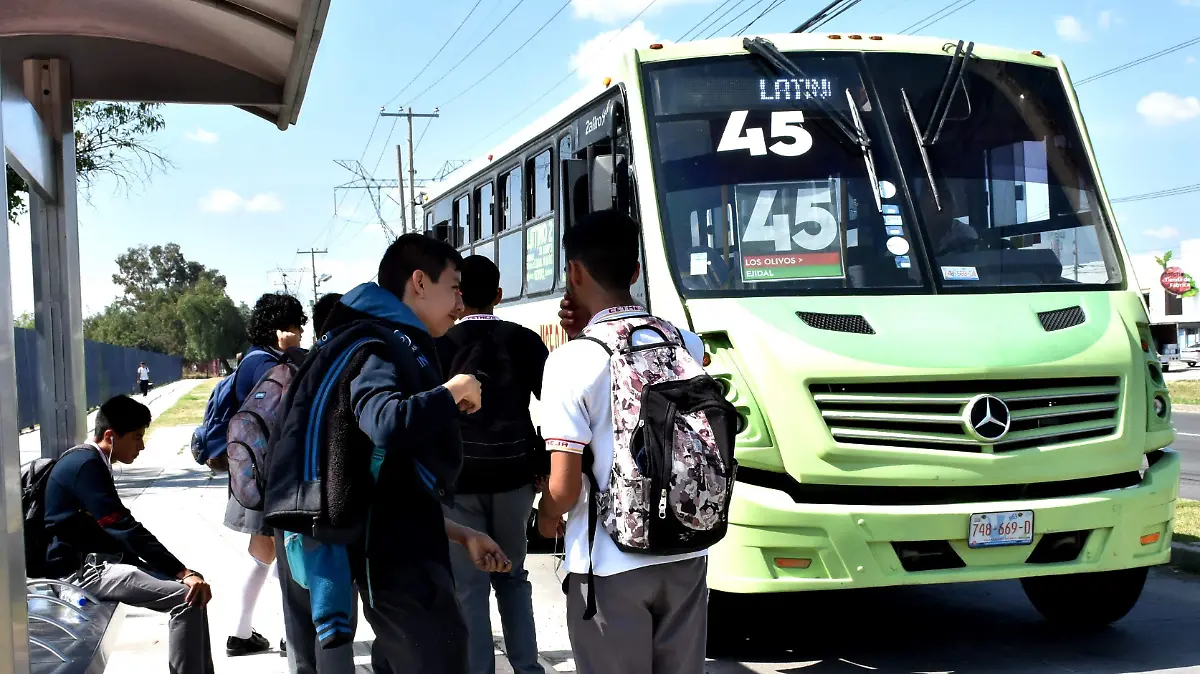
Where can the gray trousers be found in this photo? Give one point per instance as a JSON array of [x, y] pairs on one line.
[[652, 620], [504, 517], [190, 650], [304, 656]]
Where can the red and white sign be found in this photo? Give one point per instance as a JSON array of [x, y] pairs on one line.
[[1175, 281]]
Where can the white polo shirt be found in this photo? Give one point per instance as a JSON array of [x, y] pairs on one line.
[[576, 410]]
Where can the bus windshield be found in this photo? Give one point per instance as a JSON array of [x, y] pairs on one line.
[[762, 194]]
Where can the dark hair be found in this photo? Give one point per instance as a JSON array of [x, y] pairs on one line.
[[274, 311], [480, 281], [606, 243], [411, 252], [121, 415], [322, 309]]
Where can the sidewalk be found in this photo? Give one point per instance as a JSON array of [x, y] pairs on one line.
[[159, 400], [184, 505]]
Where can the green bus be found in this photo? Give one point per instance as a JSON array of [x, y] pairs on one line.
[[908, 276]]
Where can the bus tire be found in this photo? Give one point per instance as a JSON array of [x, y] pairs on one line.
[[1086, 600]]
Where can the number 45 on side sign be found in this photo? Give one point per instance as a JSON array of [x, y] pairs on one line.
[[785, 124]]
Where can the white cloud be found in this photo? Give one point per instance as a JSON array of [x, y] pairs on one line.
[[223, 200], [595, 58], [202, 136], [264, 203], [611, 11], [1163, 109], [1164, 232], [1191, 60], [1069, 28], [1190, 3], [1107, 18]]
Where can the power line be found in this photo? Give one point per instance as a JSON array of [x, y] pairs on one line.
[[559, 83], [704, 21], [439, 53], [1174, 191], [735, 18], [943, 13], [1137, 62], [770, 8], [508, 58], [465, 56], [829, 13]]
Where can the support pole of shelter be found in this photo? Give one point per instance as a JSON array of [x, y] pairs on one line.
[[54, 232], [14, 618]]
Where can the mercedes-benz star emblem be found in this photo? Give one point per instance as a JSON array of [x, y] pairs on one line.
[[987, 418]]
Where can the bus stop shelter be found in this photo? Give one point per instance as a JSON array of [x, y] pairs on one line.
[[254, 54]]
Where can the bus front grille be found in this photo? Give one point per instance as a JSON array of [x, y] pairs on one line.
[[987, 416]]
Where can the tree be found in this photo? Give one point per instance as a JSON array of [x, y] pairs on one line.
[[148, 274], [214, 325], [170, 305], [111, 139], [24, 320]]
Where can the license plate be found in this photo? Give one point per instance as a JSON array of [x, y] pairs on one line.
[[992, 530]]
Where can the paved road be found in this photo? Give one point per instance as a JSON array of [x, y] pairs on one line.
[[1187, 425], [988, 627]]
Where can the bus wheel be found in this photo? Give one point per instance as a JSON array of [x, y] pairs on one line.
[[1086, 600]]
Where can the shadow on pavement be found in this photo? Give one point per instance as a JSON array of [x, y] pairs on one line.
[[987, 627]]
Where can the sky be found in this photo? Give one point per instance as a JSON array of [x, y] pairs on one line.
[[243, 197]]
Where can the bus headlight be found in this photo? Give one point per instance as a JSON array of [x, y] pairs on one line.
[[1160, 406]]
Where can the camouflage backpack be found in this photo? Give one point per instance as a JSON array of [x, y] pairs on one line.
[[673, 435]]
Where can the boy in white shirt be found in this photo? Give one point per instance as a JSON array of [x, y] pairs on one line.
[[650, 611]]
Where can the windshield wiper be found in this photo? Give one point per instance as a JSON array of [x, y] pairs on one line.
[[854, 131], [941, 110]]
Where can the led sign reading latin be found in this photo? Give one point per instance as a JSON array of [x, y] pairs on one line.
[[789, 89]]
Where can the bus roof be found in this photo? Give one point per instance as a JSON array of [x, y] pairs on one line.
[[729, 46]]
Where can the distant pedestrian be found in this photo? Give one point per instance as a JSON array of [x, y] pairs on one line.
[[97, 544], [640, 608], [143, 375], [276, 327], [502, 459]]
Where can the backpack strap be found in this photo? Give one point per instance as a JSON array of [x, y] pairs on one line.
[[589, 610]]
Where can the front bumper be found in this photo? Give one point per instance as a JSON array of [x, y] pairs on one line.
[[854, 546]]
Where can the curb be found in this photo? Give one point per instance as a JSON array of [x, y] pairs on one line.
[[1186, 556]]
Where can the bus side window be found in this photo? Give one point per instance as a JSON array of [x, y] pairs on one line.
[[513, 210], [462, 221], [485, 209]]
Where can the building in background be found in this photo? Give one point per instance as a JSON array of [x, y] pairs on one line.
[[1175, 319]]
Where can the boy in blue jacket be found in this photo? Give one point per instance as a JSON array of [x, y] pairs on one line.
[[367, 454]]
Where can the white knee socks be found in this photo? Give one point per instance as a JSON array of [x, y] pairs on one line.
[[252, 585]]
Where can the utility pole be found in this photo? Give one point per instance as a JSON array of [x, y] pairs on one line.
[[412, 168], [400, 177], [314, 253]]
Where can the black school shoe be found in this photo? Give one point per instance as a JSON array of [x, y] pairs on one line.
[[257, 643]]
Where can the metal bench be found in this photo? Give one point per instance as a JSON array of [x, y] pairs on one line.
[[65, 638]]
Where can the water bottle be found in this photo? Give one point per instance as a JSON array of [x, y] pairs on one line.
[[73, 596]]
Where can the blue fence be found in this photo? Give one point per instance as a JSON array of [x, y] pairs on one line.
[[108, 370]]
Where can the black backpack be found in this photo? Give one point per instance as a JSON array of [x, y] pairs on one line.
[[35, 475], [500, 433]]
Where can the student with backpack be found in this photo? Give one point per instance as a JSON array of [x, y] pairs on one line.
[[502, 458], [95, 542], [366, 454], [275, 329], [304, 657], [641, 443]]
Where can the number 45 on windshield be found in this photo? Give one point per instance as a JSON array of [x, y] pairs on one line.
[[785, 124]]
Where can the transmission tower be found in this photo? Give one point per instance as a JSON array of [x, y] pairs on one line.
[[363, 180]]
